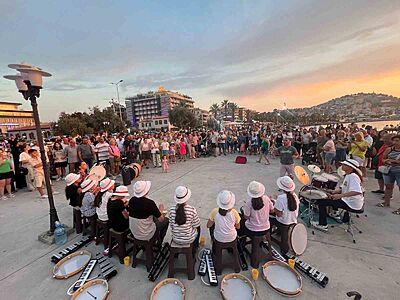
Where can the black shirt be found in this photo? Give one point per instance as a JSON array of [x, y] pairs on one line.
[[142, 208], [115, 218], [71, 192]]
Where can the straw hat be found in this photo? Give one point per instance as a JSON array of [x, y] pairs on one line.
[[141, 188], [226, 200], [286, 183], [182, 194], [255, 189], [352, 163], [71, 178], [105, 184], [121, 191], [88, 184]]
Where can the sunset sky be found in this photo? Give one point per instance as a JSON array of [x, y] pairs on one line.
[[259, 54]]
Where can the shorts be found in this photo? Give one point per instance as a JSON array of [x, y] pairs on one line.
[[213, 145], [329, 157], [264, 151], [62, 164], [391, 178], [146, 155], [359, 160], [38, 181], [378, 175], [287, 169], [165, 152], [340, 155], [7, 175]]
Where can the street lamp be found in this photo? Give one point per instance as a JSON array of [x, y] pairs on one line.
[[29, 83], [119, 103]]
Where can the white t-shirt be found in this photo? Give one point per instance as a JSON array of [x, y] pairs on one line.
[[102, 210], [225, 231], [25, 157], [288, 217], [165, 146], [352, 183]]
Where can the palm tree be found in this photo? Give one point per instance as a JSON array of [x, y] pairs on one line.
[[233, 107], [224, 105], [214, 108]]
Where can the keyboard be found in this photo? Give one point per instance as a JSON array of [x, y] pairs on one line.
[[83, 278], [203, 263], [212, 276]]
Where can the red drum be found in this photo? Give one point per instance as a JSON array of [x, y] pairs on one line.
[[319, 182], [332, 181]]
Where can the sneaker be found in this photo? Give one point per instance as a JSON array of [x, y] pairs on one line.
[[378, 192], [10, 196], [4, 198], [335, 216], [44, 197], [58, 179], [56, 193], [316, 225]]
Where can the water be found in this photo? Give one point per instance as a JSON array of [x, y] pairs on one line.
[[379, 125], [60, 235]]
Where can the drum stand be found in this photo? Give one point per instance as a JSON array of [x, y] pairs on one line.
[[308, 212]]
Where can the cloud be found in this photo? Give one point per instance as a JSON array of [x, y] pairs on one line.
[[65, 86]]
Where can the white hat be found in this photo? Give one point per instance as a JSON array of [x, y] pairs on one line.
[[352, 163], [105, 184], [286, 183], [71, 178], [255, 189], [88, 184], [121, 191], [182, 194], [226, 200], [141, 188]]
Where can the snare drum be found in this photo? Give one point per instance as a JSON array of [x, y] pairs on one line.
[[313, 194], [93, 289], [97, 172], [332, 181], [236, 286], [319, 181], [170, 288], [297, 235], [282, 278]]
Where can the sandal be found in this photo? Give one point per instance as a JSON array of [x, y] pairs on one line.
[[382, 205], [396, 212]]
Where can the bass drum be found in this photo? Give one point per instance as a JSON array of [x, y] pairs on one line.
[[137, 168], [297, 236]]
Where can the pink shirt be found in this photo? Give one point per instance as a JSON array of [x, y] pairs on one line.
[[114, 151], [258, 220]]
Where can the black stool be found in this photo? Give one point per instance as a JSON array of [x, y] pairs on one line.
[[177, 249], [120, 237], [147, 247], [77, 220], [89, 223], [217, 255], [351, 226], [102, 226]]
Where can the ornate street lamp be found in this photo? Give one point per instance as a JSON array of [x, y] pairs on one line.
[[29, 82], [119, 103]]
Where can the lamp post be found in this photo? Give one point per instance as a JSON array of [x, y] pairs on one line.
[[119, 103], [29, 83]]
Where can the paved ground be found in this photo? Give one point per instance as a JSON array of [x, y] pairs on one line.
[[371, 267]]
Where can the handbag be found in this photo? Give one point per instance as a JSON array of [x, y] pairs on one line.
[[384, 169]]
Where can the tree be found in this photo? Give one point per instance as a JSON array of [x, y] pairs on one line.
[[182, 118], [224, 105], [214, 109], [233, 106], [212, 123]]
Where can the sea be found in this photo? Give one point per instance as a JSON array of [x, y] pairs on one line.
[[379, 125]]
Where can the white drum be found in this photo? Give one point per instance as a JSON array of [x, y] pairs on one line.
[[94, 289], [282, 278], [71, 264], [97, 172], [237, 287], [169, 289], [313, 194], [297, 238]]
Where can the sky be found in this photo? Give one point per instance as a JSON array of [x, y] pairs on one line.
[[259, 54]]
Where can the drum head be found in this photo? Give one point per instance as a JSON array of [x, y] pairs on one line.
[[282, 278], [298, 238], [169, 289], [315, 169], [313, 194], [330, 177], [138, 166], [320, 178], [98, 173], [94, 289], [71, 264], [301, 175], [237, 287]]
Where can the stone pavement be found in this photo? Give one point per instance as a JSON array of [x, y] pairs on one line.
[[371, 267]]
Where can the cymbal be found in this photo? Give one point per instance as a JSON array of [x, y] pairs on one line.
[[313, 168], [302, 175], [340, 172]]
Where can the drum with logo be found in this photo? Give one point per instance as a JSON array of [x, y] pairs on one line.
[[170, 288], [282, 278], [236, 286]]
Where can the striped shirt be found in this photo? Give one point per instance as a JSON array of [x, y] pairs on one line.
[[102, 151], [186, 233]]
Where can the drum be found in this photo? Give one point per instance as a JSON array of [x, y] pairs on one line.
[[71, 264], [282, 278], [332, 181], [319, 181], [93, 289], [297, 236], [97, 172], [170, 288], [237, 287], [313, 194], [137, 168]]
